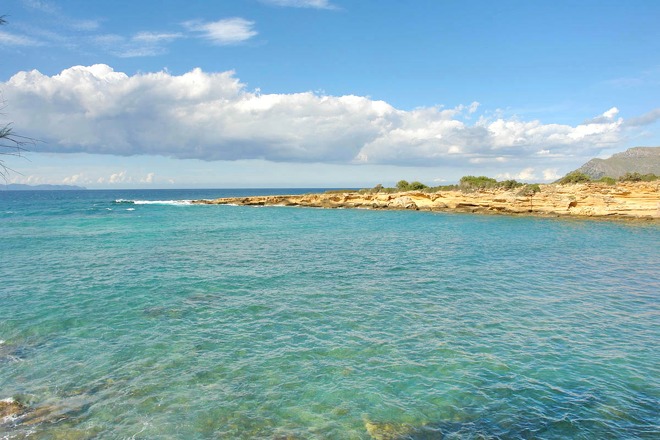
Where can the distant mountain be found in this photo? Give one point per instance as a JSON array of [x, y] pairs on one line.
[[22, 187], [643, 160]]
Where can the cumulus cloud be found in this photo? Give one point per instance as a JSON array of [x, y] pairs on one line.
[[149, 178], [529, 175], [75, 179], [551, 174], [224, 32], [606, 117], [212, 116], [317, 4], [120, 177]]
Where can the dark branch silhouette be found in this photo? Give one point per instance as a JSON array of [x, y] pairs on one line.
[[11, 144]]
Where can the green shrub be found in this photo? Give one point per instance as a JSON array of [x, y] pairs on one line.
[[434, 189], [529, 190], [637, 177], [509, 184], [473, 183], [467, 183], [574, 177], [417, 186], [607, 180]]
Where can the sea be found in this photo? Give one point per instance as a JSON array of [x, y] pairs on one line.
[[134, 314]]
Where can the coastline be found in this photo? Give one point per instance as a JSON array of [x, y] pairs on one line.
[[626, 200]]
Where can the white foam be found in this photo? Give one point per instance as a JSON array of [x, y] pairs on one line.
[[130, 209], [159, 202]]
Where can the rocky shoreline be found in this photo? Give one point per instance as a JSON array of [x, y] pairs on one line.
[[639, 200]]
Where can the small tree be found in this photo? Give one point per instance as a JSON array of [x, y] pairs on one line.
[[417, 186], [529, 191], [402, 185]]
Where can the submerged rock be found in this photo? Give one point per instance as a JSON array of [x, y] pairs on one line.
[[11, 353], [11, 408], [388, 431]]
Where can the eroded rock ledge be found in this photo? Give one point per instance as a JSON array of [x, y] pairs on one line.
[[639, 200]]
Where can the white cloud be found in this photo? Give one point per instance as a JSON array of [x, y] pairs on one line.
[[75, 179], [8, 39], [317, 4], [155, 37], [529, 175], [53, 10], [139, 45], [607, 116], [211, 116], [224, 32], [41, 5], [27, 180], [551, 174], [119, 177], [149, 178], [645, 119]]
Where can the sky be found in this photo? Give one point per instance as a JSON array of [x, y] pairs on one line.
[[324, 93]]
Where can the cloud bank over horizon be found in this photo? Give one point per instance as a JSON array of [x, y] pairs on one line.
[[213, 116]]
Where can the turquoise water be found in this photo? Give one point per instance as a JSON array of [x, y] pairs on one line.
[[136, 320]]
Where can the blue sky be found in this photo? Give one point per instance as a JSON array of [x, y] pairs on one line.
[[324, 93]]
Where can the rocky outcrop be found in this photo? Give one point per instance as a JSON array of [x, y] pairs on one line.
[[640, 200]]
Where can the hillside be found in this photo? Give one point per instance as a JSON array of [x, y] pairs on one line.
[[643, 160]]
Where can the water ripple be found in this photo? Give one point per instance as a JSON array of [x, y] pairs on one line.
[[230, 322]]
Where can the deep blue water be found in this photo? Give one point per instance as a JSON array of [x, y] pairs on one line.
[[165, 320]]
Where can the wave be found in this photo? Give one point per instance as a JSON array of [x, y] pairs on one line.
[[153, 202]]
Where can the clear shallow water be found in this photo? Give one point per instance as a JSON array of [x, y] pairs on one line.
[[134, 320]]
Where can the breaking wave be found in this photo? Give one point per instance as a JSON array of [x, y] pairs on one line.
[[153, 202]]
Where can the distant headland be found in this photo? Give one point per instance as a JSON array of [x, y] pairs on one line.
[[632, 200], [632, 191]]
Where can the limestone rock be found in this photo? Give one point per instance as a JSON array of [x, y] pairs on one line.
[[405, 202], [640, 200]]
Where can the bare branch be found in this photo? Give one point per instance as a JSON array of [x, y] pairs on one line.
[[11, 145]]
